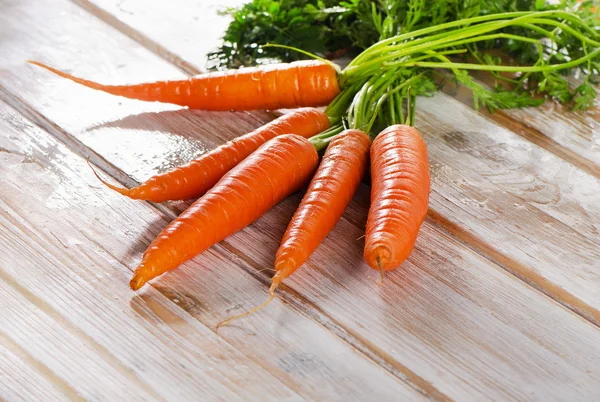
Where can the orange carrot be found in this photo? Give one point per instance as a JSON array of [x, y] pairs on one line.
[[277, 86], [399, 196], [195, 178], [278, 168], [330, 191]]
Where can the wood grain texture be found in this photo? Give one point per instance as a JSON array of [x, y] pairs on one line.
[[570, 135], [204, 20], [579, 132], [448, 314], [68, 361], [22, 377], [450, 321], [155, 341], [523, 205]]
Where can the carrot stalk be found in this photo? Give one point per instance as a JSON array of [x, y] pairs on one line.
[[197, 177], [329, 193], [277, 86], [400, 187], [278, 168]]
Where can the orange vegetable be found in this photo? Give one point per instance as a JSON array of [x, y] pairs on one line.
[[195, 178], [399, 196], [278, 168], [330, 191], [277, 86]]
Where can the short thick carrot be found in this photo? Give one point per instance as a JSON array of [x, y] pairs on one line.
[[277, 86], [276, 169], [329, 193], [195, 178], [399, 196]]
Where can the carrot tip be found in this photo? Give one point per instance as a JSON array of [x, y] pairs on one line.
[[120, 190], [137, 282]]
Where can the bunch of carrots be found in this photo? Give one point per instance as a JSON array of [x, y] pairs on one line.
[[242, 179]]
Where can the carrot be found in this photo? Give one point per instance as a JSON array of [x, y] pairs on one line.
[[195, 178], [399, 196], [277, 86], [330, 191], [278, 168]]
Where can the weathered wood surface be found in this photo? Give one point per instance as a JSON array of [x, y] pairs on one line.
[[63, 270], [451, 323], [20, 381]]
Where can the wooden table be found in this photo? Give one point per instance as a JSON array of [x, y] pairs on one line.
[[499, 301]]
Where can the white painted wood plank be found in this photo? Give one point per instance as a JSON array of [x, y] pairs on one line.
[[204, 21], [62, 353], [19, 381], [523, 202], [60, 217], [579, 132]]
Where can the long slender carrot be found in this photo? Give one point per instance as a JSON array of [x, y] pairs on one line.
[[277, 86], [329, 193], [276, 169], [195, 178], [400, 187]]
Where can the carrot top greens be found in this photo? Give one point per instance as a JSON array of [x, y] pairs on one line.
[[529, 47]]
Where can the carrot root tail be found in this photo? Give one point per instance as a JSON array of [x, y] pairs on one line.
[[274, 285], [381, 270], [121, 190]]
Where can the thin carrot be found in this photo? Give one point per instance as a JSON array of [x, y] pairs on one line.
[[195, 178], [329, 193], [277, 86], [400, 187], [278, 168]]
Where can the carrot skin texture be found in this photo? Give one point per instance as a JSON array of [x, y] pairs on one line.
[[277, 86], [197, 177], [278, 168], [400, 186], [329, 193]]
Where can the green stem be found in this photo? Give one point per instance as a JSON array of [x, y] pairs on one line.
[[514, 69], [322, 140]]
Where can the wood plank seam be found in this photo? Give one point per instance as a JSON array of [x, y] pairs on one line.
[[77, 331], [40, 368], [105, 354], [71, 142], [537, 137], [294, 299], [516, 269], [363, 346], [137, 36]]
